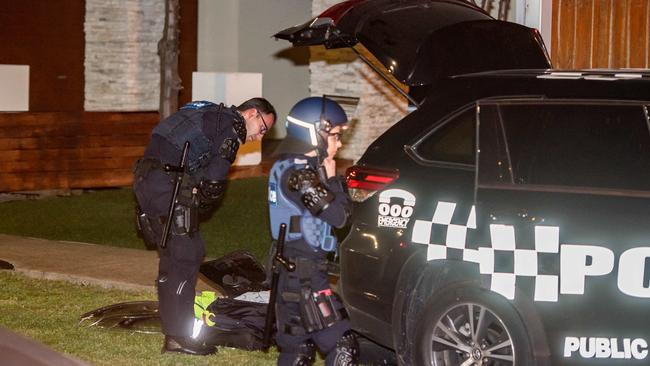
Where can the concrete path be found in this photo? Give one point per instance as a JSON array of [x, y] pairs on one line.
[[102, 265], [17, 350]]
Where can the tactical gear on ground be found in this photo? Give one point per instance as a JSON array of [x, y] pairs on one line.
[[233, 322]]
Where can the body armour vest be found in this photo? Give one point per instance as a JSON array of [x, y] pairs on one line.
[[301, 224], [185, 125]]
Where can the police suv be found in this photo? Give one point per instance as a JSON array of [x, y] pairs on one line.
[[505, 221]]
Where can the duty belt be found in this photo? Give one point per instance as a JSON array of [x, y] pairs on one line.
[[305, 266], [186, 212], [304, 269]]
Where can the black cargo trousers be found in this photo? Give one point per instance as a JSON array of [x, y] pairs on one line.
[[179, 260], [291, 337]]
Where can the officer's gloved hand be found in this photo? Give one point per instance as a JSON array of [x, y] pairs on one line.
[[209, 193], [207, 209]]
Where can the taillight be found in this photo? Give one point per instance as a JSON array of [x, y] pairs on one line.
[[363, 181]]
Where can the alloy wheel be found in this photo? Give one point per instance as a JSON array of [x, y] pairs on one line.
[[470, 334]]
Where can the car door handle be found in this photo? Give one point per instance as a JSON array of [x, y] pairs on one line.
[[521, 215], [529, 217]]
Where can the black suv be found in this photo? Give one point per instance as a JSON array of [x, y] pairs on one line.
[[505, 221]]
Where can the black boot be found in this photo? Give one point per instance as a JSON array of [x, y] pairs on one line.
[[346, 352], [187, 345]]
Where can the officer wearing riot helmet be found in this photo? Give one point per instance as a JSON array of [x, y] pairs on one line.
[[307, 196], [214, 133]]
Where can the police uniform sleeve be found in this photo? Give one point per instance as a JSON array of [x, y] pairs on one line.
[[228, 133], [224, 152], [325, 200], [340, 208]]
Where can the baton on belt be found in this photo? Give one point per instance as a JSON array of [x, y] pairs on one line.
[[178, 179], [278, 258]]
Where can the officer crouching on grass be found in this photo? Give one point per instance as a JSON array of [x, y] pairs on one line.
[[214, 133], [306, 195]]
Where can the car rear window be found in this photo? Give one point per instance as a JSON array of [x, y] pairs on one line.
[[452, 142], [605, 146]]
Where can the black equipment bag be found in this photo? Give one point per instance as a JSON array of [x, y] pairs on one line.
[[239, 324]]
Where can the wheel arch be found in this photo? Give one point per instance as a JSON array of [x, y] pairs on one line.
[[419, 278]]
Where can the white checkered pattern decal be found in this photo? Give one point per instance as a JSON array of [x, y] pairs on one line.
[[446, 236]]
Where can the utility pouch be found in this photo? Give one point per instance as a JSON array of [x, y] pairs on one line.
[[309, 313], [186, 220], [327, 311], [145, 228], [317, 309]]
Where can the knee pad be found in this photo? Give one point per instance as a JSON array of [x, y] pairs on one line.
[[346, 352], [303, 355]]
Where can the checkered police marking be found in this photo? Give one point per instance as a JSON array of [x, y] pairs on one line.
[[446, 236]]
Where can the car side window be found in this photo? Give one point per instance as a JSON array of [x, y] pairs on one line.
[[452, 142], [603, 146]]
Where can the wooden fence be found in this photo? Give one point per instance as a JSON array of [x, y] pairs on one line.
[[61, 150], [601, 34]]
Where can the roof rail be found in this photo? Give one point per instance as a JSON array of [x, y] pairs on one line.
[[597, 74]]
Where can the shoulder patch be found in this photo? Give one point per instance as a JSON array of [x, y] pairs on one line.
[[273, 193], [198, 104]]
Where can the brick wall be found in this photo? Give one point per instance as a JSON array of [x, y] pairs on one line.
[[121, 62], [340, 72]]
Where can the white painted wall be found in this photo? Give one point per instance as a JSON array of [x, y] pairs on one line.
[[494, 9], [536, 14], [235, 36], [14, 88], [218, 35]]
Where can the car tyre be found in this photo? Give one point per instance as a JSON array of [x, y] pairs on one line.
[[445, 336]]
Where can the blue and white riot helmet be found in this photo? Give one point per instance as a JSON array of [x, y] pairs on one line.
[[309, 122]]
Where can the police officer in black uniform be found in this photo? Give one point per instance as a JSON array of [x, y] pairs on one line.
[[214, 133], [306, 195]]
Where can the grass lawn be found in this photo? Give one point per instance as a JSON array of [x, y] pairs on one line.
[[107, 217], [42, 310]]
